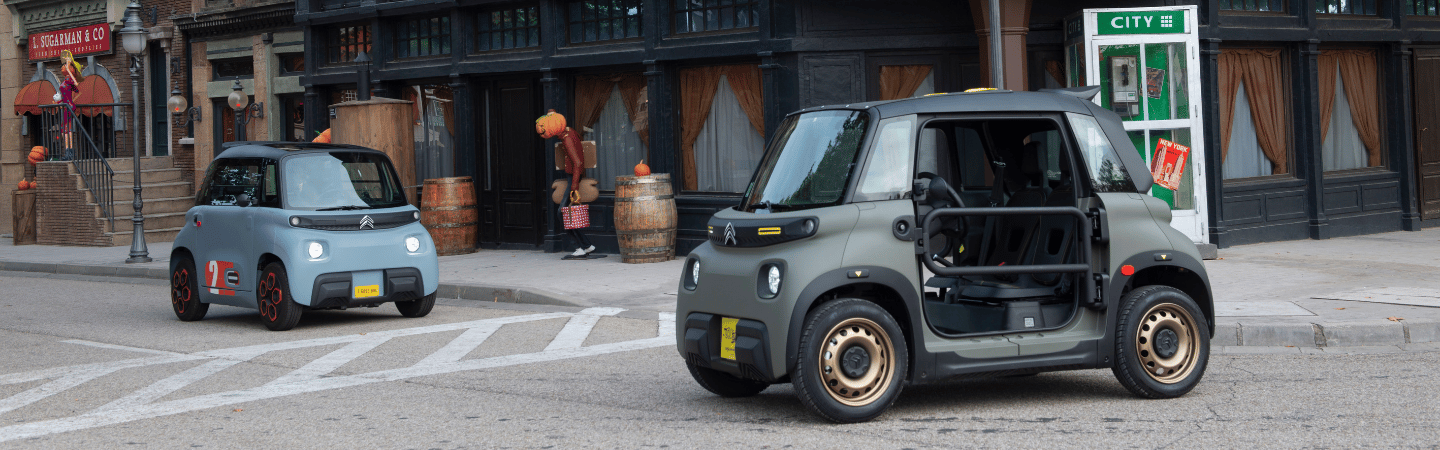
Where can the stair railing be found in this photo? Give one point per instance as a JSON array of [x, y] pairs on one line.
[[89, 157]]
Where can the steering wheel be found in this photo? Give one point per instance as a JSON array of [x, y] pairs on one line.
[[953, 236]]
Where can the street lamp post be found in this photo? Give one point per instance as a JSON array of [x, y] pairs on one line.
[[238, 101], [133, 37]]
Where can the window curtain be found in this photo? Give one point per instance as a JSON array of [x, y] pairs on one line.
[[728, 148], [1347, 81], [897, 82], [1245, 158], [592, 96], [618, 143], [699, 88], [1260, 70]]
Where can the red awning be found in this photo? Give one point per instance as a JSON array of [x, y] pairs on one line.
[[32, 96], [94, 91]]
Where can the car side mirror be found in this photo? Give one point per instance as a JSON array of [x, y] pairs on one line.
[[242, 200]]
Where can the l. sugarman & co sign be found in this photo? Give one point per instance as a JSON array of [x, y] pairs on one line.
[[80, 41]]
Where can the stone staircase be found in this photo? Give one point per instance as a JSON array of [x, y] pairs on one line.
[[164, 194]]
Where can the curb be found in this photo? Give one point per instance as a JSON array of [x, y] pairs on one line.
[[505, 294]]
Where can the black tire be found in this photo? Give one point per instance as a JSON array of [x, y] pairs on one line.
[[416, 308], [852, 361], [724, 384], [277, 307], [1162, 343], [185, 289]]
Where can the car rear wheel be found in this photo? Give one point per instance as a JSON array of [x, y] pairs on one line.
[[852, 361], [416, 308], [1162, 343], [277, 307], [185, 290], [724, 384]]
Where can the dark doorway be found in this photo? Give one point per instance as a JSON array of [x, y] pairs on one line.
[[159, 91], [508, 157], [1427, 131]]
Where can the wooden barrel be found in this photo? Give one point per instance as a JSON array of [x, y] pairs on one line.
[[645, 218], [447, 210], [23, 217]]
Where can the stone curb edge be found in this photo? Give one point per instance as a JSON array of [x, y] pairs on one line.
[[506, 294]]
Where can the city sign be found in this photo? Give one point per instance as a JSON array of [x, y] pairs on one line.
[[1140, 22]]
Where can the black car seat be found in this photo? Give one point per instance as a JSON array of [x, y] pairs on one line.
[[1025, 239]]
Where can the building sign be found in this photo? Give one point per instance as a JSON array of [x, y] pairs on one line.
[[1140, 22], [80, 41]]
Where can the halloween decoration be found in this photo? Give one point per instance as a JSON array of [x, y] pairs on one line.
[[573, 214]]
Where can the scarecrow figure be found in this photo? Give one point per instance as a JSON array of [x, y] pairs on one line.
[[550, 125]]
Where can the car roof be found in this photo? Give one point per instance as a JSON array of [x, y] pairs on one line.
[[993, 100], [276, 149]]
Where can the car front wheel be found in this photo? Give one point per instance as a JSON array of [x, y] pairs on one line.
[[277, 307], [1162, 343], [852, 361], [416, 308], [185, 290]]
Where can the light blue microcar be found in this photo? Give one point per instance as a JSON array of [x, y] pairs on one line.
[[284, 227]]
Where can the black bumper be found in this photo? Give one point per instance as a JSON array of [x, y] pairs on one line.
[[752, 355], [333, 290]]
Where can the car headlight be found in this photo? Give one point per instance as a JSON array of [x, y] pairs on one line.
[[412, 244], [772, 280], [316, 250], [690, 277]]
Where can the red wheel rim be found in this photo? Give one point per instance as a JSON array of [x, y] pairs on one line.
[[180, 290], [270, 298]]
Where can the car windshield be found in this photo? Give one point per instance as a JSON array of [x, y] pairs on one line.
[[808, 163], [340, 181]]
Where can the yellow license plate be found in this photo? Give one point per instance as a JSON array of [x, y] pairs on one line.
[[367, 291], [727, 337]]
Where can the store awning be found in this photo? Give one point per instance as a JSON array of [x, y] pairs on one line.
[[94, 91], [34, 95]]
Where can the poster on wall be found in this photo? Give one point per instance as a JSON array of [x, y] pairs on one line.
[[80, 41], [1168, 165], [1154, 80]]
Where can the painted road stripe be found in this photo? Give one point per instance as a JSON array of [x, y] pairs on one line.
[[461, 346], [328, 363]]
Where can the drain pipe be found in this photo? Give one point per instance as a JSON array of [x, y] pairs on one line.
[[997, 61]]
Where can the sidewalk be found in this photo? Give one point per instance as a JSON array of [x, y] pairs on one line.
[[1300, 295]]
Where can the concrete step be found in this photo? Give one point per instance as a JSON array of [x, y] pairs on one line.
[[155, 220], [126, 178], [151, 235], [152, 205], [146, 163], [124, 193]]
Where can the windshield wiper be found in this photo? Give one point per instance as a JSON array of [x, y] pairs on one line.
[[344, 208], [770, 206]]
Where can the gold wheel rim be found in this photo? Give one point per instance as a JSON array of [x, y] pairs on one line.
[[869, 386], [1165, 328]]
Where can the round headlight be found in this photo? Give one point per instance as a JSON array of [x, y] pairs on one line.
[[316, 250], [774, 279], [294, 221], [412, 244], [695, 273], [416, 215]]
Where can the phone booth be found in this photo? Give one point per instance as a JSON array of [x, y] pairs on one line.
[[1146, 61]]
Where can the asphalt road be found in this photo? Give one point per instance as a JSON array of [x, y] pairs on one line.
[[103, 363]]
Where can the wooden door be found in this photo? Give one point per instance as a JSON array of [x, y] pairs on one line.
[[511, 195], [1427, 131]]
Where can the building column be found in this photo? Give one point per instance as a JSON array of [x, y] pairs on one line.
[[465, 148], [1214, 161], [770, 80], [663, 151], [1013, 27], [553, 96], [1309, 163], [1402, 132]]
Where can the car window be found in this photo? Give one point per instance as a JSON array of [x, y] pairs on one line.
[[340, 181], [1107, 173], [888, 171], [229, 178]]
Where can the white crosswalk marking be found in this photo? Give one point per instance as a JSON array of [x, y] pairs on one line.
[[312, 377]]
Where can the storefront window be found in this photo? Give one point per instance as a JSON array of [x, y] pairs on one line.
[[1252, 5], [508, 29], [612, 111], [722, 126], [1350, 110], [694, 16], [424, 36], [1253, 113], [1421, 7], [343, 43], [604, 20], [1361, 7], [232, 68], [434, 129]]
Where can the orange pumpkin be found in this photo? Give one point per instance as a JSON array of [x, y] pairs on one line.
[[32, 184], [23, 185], [642, 169], [550, 125], [40, 149], [324, 137], [35, 158]]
